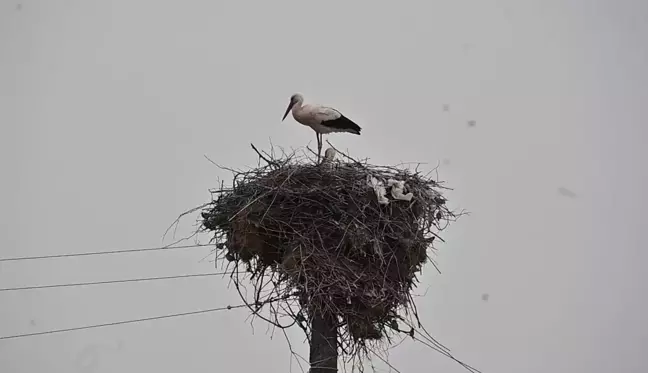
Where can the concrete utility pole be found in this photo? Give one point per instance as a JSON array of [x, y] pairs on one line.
[[323, 344]]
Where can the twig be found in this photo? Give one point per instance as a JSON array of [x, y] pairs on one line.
[[272, 163]]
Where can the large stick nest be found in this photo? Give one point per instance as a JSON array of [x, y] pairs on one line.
[[321, 235]]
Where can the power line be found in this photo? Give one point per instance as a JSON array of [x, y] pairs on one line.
[[111, 281], [122, 322], [103, 252]]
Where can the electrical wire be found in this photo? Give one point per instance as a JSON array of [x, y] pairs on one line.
[[54, 331], [111, 281], [103, 252]]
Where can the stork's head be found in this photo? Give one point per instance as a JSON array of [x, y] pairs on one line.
[[295, 99]]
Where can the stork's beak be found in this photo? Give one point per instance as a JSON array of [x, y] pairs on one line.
[[290, 106]]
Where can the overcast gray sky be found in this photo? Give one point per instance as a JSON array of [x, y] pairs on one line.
[[108, 107]]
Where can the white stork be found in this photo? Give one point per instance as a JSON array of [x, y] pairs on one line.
[[321, 119]]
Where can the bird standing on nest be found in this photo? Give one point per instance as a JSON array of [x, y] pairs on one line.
[[321, 119]]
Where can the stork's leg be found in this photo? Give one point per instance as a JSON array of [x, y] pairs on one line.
[[319, 146]]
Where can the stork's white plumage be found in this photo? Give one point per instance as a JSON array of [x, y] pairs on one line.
[[321, 119]]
